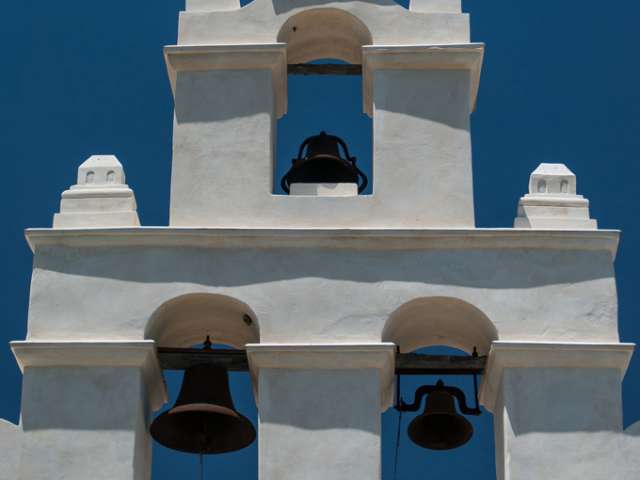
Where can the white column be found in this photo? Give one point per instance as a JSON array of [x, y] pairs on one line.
[[227, 100], [420, 98], [85, 409], [320, 409], [557, 408]]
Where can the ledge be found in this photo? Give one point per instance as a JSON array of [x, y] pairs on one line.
[[133, 354], [505, 354], [379, 356], [421, 57], [271, 56], [361, 239]]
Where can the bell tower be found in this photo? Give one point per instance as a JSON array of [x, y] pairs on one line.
[[420, 79], [321, 291]]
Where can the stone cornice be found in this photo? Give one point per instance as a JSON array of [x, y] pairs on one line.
[[421, 57], [367, 239], [140, 354], [272, 57], [334, 356], [513, 354]]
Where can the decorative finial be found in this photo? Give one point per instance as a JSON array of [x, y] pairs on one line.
[[552, 202]]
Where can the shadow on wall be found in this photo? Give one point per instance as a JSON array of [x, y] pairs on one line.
[[567, 400], [496, 269], [210, 105], [51, 399], [289, 395]]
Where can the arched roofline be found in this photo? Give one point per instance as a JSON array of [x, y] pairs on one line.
[[325, 32]]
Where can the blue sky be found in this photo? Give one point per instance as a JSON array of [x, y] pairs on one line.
[[560, 84]]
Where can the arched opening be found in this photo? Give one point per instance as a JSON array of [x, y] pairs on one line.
[[438, 326], [324, 52], [431, 321], [185, 321], [324, 33]]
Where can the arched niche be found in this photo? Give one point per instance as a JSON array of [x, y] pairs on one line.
[[431, 321], [187, 320], [324, 33]]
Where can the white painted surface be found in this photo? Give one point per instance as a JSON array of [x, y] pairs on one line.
[[186, 320], [433, 6], [431, 321], [558, 410], [339, 356], [325, 189], [319, 424], [244, 58], [101, 197], [549, 355], [467, 57], [212, 5], [547, 286], [552, 201], [10, 447], [324, 33], [228, 97], [84, 422], [262, 21], [140, 355], [562, 423]]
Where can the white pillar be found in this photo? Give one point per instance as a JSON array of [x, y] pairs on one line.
[[335, 391], [557, 408], [85, 409], [227, 99], [420, 98]]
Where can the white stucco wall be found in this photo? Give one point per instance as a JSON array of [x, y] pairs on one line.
[[83, 422], [229, 96], [261, 21], [304, 411], [325, 287], [10, 446]]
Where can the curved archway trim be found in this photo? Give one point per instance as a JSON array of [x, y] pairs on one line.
[[431, 321], [187, 320]]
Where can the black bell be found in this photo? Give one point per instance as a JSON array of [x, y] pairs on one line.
[[440, 427], [203, 419], [319, 161]]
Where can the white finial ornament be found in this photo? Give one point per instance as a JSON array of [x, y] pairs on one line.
[[552, 202], [101, 198]]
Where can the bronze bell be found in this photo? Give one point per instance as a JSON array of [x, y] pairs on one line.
[[319, 161], [203, 419], [440, 427]]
